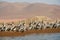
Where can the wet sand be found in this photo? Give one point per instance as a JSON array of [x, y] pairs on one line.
[[56, 30]]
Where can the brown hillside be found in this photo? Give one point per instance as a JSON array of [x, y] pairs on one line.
[[26, 10]]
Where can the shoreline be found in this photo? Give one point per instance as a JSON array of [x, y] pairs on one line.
[[10, 34]]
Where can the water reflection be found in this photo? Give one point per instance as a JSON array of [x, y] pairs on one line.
[[52, 36]]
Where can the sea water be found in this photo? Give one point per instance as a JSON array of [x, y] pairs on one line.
[[48, 36]]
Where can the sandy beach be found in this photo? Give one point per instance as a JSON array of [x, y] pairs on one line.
[[2, 34]]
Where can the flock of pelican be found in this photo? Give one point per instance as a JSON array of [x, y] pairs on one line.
[[35, 25]]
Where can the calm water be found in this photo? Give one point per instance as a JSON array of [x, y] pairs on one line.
[[51, 36]]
